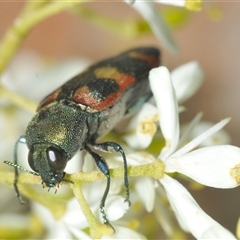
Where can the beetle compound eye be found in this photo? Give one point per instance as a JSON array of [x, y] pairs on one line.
[[57, 159], [30, 159]]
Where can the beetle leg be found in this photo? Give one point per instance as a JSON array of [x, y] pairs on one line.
[[22, 139], [114, 147], [103, 167]]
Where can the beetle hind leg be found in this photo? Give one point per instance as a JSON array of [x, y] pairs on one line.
[[103, 167], [114, 147]]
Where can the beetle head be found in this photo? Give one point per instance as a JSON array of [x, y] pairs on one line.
[[49, 162]]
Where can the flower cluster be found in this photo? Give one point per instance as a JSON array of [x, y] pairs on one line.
[[158, 152], [214, 166]]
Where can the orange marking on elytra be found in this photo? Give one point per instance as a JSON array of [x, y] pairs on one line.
[[83, 96], [50, 98], [124, 81], [152, 60]]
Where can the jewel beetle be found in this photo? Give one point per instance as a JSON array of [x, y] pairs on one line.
[[77, 114]]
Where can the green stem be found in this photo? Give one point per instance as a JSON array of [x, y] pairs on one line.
[[97, 230], [127, 28], [24, 23], [18, 100], [32, 6], [155, 170]]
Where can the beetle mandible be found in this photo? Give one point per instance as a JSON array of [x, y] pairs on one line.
[[76, 115]]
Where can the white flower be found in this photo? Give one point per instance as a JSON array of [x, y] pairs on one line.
[[215, 166], [151, 14], [212, 166], [28, 69], [189, 214], [125, 233], [141, 136], [187, 79], [73, 222], [220, 137]]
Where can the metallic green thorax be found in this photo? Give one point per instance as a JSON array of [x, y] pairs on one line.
[[66, 127]]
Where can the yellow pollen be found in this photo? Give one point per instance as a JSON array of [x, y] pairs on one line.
[[193, 5], [235, 173], [148, 126]]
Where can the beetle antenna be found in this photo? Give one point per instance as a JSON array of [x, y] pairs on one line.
[[16, 166], [67, 181], [20, 168]]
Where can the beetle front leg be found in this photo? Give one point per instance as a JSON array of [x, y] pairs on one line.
[[22, 139], [114, 147], [103, 167]]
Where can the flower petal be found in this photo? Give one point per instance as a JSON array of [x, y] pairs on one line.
[[77, 233], [74, 216], [28, 69], [142, 127], [216, 166], [148, 10], [190, 216], [130, 1], [187, 79], [139, 158], [186, 131], [164, 95], [58, 231], [179, 3], [145, 189], [14, 221], [238, 229], [198, 140], [124, 233], [116, 207], [219, 138]]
